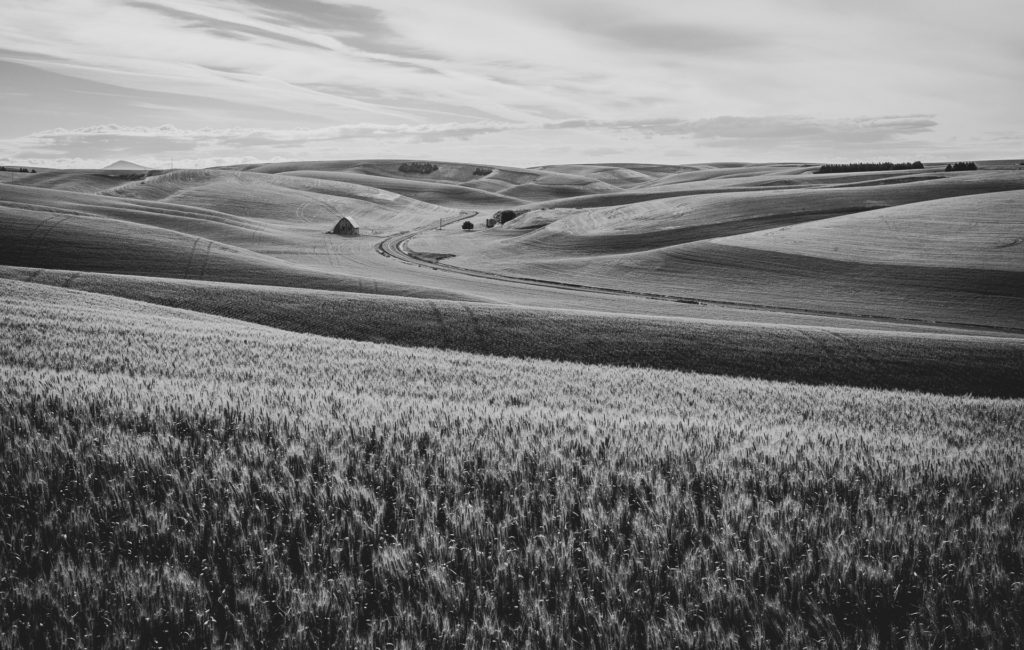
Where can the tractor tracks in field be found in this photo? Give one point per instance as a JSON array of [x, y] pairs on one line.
[[200, 266]]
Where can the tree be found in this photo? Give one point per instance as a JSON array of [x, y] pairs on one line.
[[832, 168], [962, 167], [417, 168]]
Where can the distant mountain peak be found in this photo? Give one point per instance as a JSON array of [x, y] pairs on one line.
[[125, 165]]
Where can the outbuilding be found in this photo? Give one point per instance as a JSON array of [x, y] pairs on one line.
[[346, 226]]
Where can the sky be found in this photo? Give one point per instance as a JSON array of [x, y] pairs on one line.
[[198, 83]]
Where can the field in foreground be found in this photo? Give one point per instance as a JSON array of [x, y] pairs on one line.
[[178, 478]]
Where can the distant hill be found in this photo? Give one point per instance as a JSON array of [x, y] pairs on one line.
[[125, 165]]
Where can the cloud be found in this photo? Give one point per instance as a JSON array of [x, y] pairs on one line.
[[359, 26], [740, 134], [858, 130], [227, 51], [227, 28], [732, 129], [20, 56], [167, 138], [683, 38], [747, 79]]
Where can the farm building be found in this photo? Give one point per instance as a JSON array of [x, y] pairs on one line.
[[346, 226]]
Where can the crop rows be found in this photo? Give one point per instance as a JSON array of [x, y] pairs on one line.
[[180, 480]]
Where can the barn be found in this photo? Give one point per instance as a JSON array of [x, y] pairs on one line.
[[346, 226]]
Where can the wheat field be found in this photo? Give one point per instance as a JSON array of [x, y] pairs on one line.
[[171, 478]]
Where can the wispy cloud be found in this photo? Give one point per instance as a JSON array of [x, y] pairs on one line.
[[745, 78], [359, 26], [732, 128], [682, 39], [781, 133], [232, 29]]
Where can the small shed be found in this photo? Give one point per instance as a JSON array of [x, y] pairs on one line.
[[346, 226]]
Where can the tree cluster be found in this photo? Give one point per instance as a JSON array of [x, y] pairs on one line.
[[417, 168], [482, 171], [23, 170], [504, 216], [467, 225], [961, 167], [868, 167]]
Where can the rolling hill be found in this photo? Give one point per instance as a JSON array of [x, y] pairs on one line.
[[86, 232], [932, 249], [973, 232], [936, 361], [85, 181], [758, 243], [286, 199], [456, 184]]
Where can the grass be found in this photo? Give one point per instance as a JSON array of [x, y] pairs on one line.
[[177, 479], [939, 363]]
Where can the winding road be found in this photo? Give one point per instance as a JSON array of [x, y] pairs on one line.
[[395, 246]]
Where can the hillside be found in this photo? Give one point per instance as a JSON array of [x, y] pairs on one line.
[[453, 183], [83, 232], [972, 232], [718, 241], [287, 199], [125, 165], [79, 180], [885, 357], [853, 250]]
